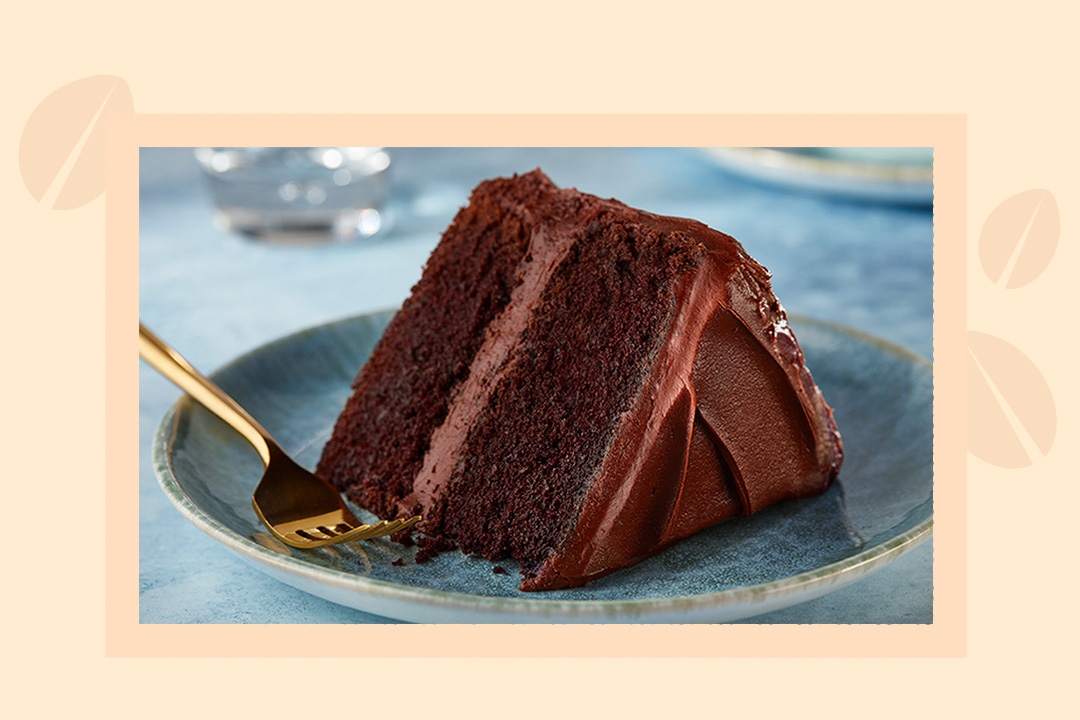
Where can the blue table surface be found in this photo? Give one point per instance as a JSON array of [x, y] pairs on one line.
[[214, 296]]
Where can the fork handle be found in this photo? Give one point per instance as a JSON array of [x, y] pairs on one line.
[[173, 366]]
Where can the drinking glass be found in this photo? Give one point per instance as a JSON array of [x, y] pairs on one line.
[[298, 194]]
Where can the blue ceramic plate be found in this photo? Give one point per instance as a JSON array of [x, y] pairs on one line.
[[896, 176], [880, 507]]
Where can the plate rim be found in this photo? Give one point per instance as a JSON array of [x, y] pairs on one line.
[[757, 598]]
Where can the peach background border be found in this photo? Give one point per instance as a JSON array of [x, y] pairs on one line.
[[945, 638], [1009, 72]]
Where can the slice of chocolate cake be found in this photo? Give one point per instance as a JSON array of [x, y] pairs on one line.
[[577, 385]]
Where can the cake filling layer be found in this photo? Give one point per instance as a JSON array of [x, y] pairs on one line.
[[501, 341]]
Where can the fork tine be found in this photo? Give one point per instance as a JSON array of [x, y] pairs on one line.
[[402, 523], [386, 527], [399, 524], [322, 535], [319, 533], [374, 531]]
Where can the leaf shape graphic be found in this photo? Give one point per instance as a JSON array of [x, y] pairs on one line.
[[62, 150], [1012, 419], [1019, 238]]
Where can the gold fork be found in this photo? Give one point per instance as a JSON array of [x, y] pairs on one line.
[[300, 508]]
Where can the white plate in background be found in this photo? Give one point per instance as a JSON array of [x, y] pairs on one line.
[[900, 176]]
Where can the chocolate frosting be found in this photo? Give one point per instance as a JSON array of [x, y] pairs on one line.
[[729, 422]]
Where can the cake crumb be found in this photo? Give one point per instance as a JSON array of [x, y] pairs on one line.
[[399, 562], [499, 570], [430, 547], [405, 537]]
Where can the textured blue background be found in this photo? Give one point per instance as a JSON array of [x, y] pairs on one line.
[[215, 296]]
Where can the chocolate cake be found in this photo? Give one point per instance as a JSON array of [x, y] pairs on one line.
[[578, 385]]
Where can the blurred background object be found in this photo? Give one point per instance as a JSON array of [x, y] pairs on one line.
[[897, 175], [298, 194]]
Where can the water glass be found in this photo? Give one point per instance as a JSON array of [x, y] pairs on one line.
[[298, 194]]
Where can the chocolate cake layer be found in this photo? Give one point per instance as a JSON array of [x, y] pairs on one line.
[[403, 392]]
